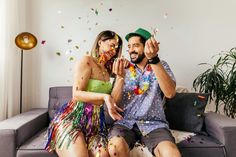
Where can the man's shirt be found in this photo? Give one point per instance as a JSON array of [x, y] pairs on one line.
[[146, 110]]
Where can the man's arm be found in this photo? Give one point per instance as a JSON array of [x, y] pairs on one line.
[[166, 83]]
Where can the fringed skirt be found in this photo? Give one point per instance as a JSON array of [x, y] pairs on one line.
[[73, 118]]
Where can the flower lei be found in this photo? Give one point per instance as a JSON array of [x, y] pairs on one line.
[[140, 88]]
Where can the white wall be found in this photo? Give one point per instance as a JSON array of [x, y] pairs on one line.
[[190, 32]]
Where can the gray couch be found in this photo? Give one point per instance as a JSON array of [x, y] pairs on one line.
[[24, 134]]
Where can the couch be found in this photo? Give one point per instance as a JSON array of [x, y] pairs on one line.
[[24, 135]]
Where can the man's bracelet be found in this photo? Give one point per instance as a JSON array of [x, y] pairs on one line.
[[154, 60]]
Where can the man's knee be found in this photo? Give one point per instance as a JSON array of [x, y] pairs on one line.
[[117, 146], [167, 149]]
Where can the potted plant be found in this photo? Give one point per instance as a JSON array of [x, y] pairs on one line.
[[219, 80]]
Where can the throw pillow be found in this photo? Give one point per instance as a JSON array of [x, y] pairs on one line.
[[186, 111]]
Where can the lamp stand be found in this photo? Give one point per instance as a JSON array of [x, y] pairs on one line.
[[21, 76]]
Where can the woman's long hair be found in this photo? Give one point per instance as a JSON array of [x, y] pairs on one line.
[[105, 35]]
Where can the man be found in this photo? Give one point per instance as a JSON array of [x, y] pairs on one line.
[[142, 89]]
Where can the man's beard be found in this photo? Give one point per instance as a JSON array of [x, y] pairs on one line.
[[139, 59]]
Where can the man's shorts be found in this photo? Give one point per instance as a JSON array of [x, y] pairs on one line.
[[134, 135]]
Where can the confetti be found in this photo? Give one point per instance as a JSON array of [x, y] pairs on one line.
[[96, 12], [99, 145], [110, 9], [155, 30], [71, 58], [69, 40], [62, 27], [58, 53], [43, 42], [77, 46], [165, 15], [68, 52], [201, 97]]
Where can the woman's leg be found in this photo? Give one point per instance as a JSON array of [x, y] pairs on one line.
[[100, 152], [78, 148]]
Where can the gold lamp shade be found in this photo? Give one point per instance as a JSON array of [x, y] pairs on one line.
[[26, 41]]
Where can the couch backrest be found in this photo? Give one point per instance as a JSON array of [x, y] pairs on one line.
[[57, 97]]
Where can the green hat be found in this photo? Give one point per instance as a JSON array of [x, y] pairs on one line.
[[140, 32]]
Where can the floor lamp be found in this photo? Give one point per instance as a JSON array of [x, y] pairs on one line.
[[25, 41]]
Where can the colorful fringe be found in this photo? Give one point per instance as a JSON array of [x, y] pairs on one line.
[[75, 117]]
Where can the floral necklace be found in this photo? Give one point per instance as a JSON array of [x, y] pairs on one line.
[[140, 88]]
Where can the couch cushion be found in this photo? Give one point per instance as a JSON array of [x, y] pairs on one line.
[[189, 144], [201, 146], [57, 97], [186, 111]]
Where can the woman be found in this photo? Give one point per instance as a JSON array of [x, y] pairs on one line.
[[79, 128]]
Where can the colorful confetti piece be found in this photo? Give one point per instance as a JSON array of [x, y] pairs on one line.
[[71, 58], [68, 52], [165, 15], [96, 12], [69, 40], [43, 42], [77, 46]]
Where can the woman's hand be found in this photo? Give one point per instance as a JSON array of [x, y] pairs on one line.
[[113, 110]]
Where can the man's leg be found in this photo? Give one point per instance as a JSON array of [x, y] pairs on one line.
[[161, 143], [121, 140], [166, 149]]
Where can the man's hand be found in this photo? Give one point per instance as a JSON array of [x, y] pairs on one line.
[[151, 48], [112, 108], [119, 67]]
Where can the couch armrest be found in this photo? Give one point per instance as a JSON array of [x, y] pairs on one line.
[[16, 130], [223, 129]]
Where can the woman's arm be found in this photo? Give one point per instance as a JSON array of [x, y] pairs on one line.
[[119, 69]]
